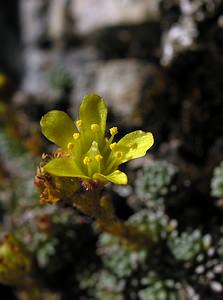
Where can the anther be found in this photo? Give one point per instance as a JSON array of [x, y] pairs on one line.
[[113, 130], [87, 160], [79, 123], [76, 136], [70, 146], [98, 157], [95, 127], [119, 154], [112, 146]]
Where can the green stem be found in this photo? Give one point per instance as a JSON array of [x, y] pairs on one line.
[[100, 208]]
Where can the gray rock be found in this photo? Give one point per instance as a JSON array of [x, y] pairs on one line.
[[81, 64], [37, 62], [57, 19], [60, 26], [34, 21], [121, 82], [90, 15]]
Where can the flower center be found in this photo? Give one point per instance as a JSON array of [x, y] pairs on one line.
[[87, 160], [115, 154]]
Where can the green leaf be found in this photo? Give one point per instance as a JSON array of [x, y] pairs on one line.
[[65, 167], [116, 177], [58, 127], [134, 145]]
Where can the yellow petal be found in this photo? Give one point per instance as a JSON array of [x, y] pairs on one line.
[[93, 111], [58, 127], [116, 177], [64, 167], [134, 145]]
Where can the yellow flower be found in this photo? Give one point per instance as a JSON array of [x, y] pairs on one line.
[[92, 156]]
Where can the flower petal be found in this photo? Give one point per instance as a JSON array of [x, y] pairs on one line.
[[116, 177], [65, 167], [93, 111], [58, 127], [134, 145]]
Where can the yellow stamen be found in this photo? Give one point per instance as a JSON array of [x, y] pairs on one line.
[[70, 146], [112, 146], [98, 157], [87, 160], [95, 127], [119, 154], [76, 136], [113, 130], [79, 123]]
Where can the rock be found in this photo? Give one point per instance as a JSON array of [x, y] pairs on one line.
[[60, 21], [37, 62], [90, 15], [120, 82], [34, 20], [81, 64]]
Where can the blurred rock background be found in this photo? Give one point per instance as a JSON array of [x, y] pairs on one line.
[[158, 65]]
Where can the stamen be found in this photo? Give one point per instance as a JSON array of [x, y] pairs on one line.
[[113, 130], [87, 160], [95, 127], [70, 146], [119, 154], [113, 146], [76, 136], [98, 157], [79, 123]]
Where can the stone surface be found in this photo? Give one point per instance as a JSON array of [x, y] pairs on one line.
[[36, 64], [90, 15], [121, 82], [81, 63], [34, 21], [60, 25]]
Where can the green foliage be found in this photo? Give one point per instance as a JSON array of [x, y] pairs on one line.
[[50, 231], [160, 289], [60, 80], [190, 247], [157, 224], [21, 165], [154, 182], [217, 182], [122, 261]]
